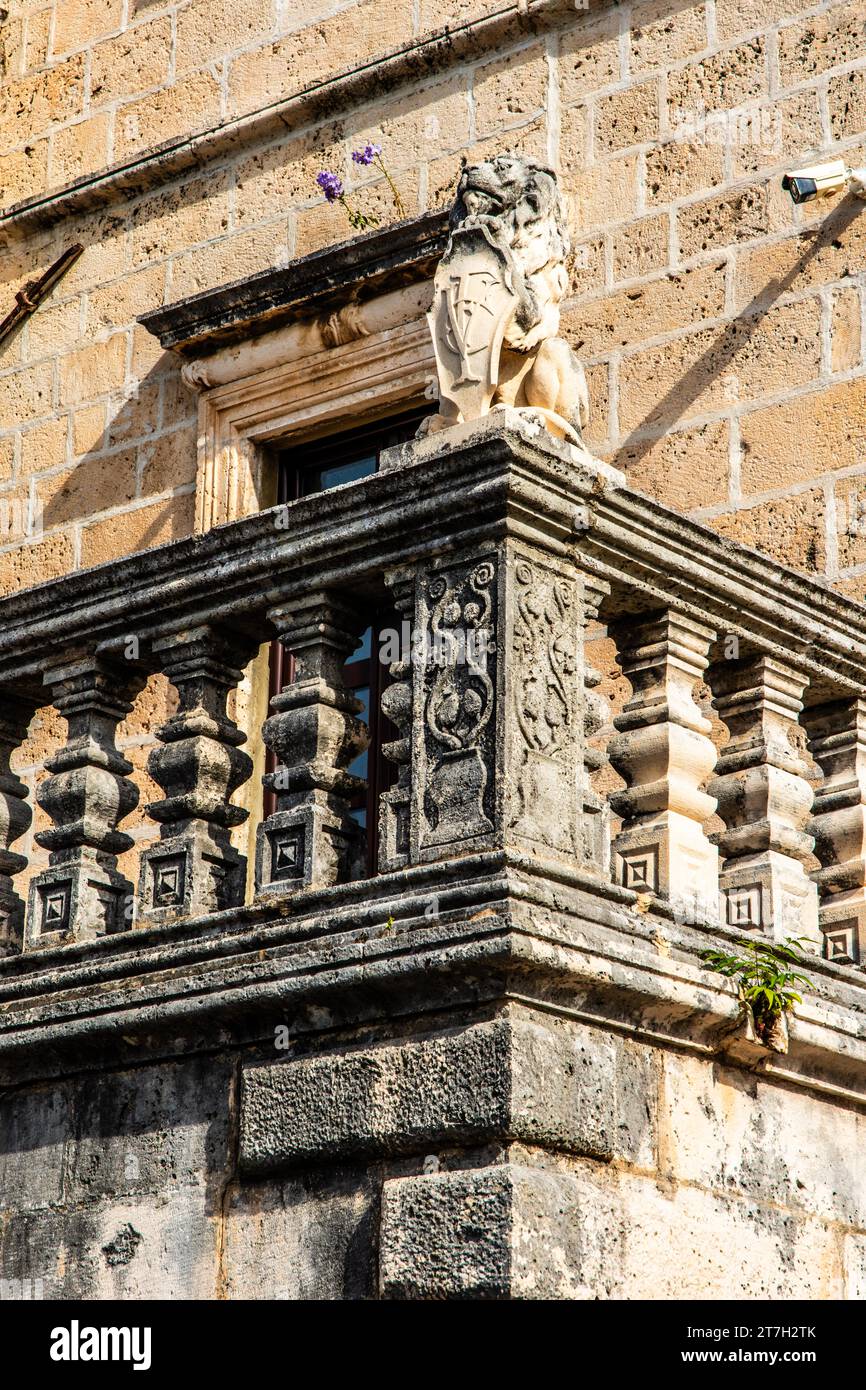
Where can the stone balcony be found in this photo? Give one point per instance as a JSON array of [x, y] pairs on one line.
[[506, 879], [493, 532]]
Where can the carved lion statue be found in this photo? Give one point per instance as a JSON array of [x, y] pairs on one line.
[[519, 206]]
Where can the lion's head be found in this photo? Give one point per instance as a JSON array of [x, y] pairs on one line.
[[520, 204]]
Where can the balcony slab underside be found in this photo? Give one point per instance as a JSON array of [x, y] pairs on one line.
[[369, 954]]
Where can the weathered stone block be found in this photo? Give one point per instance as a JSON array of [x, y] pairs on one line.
[[657, 306], [820, 42], [78, 24], [151, 1130], [593, 1232], [641, 247], [306, 1239], [731, 1132], [627, 118], [139, 528], [659, 36], [847, 95], [558, 1087], [507, 1232], [722, 221], [48, 1250], [34, 1129], [640, 1238], [165, 1249], [191, 103], [589, 57], [724, 80], [508, 94], [131, 62], [680, 168], [792, 530]]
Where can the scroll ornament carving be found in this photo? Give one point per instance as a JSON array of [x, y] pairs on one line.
[[544, 646], [344, 325], [195, 375], [541, 640], [497, 291], [459, 704]]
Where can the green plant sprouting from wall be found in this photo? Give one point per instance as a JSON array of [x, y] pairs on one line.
[[767, 978]]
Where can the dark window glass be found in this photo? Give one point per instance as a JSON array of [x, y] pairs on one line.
[[342, 458], [315, 467]]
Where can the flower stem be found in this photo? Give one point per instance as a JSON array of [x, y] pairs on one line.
[[397, 199]]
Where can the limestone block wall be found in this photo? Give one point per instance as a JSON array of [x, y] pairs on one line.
[[723, 327], [353, 1170]]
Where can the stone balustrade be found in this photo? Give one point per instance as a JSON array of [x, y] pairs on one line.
[[497, 545]]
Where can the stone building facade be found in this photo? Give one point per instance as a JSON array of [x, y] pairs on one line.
[[503, 1069]]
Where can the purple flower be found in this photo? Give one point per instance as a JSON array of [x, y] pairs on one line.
[[367, 154], [330, 184]]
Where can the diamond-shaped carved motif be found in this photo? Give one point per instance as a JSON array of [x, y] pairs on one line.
[[168, 882], [841, 944], [55, 908], [744, 906], [640, 870], [288, 853]]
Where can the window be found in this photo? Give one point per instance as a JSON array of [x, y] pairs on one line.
[[315, 467]]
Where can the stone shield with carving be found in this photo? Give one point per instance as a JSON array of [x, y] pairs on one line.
[[473, 301]]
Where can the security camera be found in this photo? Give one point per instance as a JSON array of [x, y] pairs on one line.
[[823, 181]]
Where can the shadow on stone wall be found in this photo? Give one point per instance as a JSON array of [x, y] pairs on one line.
[[731, 339]]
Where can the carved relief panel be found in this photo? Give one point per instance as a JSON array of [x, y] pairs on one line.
[[456, 669], [495, 751], [545, 734]]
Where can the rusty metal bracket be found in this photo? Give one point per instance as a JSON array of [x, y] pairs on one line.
[[35, 291]]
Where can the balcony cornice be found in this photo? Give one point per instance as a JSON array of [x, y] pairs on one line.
[[509, 924], [508, 929], [479, 484]]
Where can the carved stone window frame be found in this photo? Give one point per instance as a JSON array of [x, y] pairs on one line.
[[337, 335]]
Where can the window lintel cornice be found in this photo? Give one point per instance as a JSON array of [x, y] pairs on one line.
[[315, 285]]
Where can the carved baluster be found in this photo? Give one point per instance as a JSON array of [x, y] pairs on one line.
[[15, 818], [596, 713], [663, 751], [311, 839], [764, 799], [82, 894], [195, 868], [394, 805], [837, 738]]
